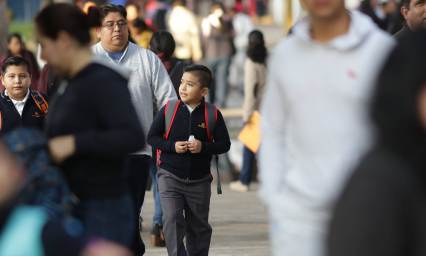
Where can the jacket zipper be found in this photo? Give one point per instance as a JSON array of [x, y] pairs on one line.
[[189, 155]]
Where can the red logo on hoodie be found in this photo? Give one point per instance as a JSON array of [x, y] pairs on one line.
[[352, 74]]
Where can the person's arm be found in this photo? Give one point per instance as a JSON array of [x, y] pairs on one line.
[[221, 143], [272, 149], [371, 219], [156, 133], [250, 81], [122, 132], [195, 40], [161, 85]]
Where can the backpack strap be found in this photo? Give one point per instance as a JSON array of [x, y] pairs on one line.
[[169, 114], [40, 101], [210, 112]]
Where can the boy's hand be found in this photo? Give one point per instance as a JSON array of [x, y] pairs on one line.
[[181, 147], [195, 146]]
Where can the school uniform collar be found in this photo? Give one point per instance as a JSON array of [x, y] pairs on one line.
[[192, 109], [15, 102]]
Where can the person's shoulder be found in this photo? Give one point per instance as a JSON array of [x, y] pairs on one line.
[[103, 74], [384, 166], [145, 54], [96, 48], [405, 31]]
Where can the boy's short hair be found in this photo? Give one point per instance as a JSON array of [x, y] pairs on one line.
[[15, 61], [203, 74]]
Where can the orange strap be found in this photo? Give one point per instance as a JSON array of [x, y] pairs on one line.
[[44, 107]]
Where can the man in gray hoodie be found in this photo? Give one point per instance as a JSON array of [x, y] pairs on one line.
[[150, 88]]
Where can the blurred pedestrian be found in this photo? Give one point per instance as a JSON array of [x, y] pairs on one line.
[[254, 83], [20, 105], [370, 8], [89, 134], [382, 209], [218, 49], [413, 12], [140, 33], [163, 44], [184, 28], [184, 176], [50, 80], [242, 25], [150, 89], [27, 230], [16, 48], [314, 120], [156, 13]]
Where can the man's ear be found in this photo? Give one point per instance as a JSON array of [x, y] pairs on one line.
[[2, 79], [98, 32], [404, 12], [204, 91]]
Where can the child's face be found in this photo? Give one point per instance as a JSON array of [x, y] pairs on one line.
[[190, 90], [17, 80], [11, 176]]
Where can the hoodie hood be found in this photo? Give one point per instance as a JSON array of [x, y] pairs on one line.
[[360, 27]]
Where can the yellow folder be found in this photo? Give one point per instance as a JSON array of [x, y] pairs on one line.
[[251, 134]]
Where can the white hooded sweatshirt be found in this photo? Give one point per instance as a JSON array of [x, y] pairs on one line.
[[315, 127]]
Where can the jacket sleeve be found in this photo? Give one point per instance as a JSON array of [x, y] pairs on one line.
[[251, 79], [221, 143], [156, 133], [121, 132], [272, 149], [162, 87]]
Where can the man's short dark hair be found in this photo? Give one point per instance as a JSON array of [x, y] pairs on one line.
[[15, 61], [107, 8], [12, 36], [203, 74], [406, 3]]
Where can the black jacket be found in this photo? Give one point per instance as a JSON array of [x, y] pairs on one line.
[[97, 109], [404, 32], [32, 116], [382, 210], [188, 166]]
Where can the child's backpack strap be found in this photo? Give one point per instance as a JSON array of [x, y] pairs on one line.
[[169, 114], [210, 112], [40, 101]]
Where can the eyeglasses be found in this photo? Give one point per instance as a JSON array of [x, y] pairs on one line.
[[111, 26]]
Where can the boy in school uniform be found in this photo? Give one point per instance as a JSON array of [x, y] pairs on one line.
[[184, 177], [19, 104]]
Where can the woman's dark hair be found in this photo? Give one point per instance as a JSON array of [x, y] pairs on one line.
[[69, 18], [201, 72], [139, 23], [107, 8], [365, 6], [12, 36], [15, 61], [163, 42], [256, 49], [395, 106]]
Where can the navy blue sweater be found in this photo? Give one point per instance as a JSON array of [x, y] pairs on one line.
[[97, 109], [32, 116], [188, 166]]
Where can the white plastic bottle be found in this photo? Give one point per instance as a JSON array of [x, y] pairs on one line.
[[191, 138]]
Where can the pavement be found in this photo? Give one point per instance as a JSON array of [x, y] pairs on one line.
[[239, 222]]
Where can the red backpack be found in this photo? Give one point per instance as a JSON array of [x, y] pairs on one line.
[[210, 112]]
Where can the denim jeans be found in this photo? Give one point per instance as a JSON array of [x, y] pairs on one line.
[[158, 211], [219, 66], [111, 218], [248, 164]]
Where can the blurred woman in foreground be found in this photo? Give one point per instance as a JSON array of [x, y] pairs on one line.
[[383, 207], [92, 124]]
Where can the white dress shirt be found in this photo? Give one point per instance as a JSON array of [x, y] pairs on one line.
[[19, 105]]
